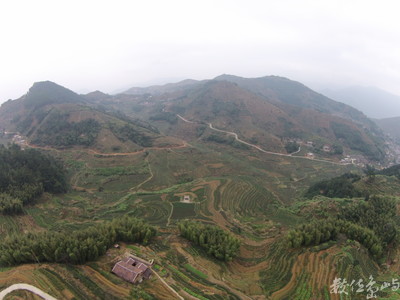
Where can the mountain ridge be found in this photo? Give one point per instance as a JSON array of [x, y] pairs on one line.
[[52, 115], [269, 110], [294, 120]]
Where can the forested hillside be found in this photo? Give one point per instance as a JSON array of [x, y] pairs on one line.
[[25, 175], [77, 247]]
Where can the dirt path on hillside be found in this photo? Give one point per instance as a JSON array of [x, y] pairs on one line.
[[210, 277], [92, 151], [147, 179], [217, 217], [261, 149], [168, 286], [27, 287], [170, 215]]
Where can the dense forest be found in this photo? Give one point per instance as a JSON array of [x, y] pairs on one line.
[[391, 171], [343, 186], [212, 239], [58, 131], [339, 187], [75, 247], [321, 231], [25, 175], [377, 214], [372, 223]]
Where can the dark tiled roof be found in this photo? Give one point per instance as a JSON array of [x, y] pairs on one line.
[[130, 269]]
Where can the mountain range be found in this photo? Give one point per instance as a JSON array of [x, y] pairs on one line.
[[268, 111], [51, 115]]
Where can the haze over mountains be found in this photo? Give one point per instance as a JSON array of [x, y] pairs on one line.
[[268, 111], [294, 111], [374, 102]]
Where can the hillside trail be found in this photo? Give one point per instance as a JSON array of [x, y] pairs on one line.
[[92, 151], [235, 135], [295, 151], [147, 179], [210, 277], [28, 287], [168, 286]]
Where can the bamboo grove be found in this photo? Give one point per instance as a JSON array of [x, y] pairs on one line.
[[215, 241], [75, 247]]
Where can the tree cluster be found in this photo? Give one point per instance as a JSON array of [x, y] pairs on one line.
[[321, 231], [75, 247], [291, 147], [58, 131], [337, 187], [377, 214], [391, 171], [25, 175], [128, 132], [212, 239], [337, 149], [10, 205], [372, 223]]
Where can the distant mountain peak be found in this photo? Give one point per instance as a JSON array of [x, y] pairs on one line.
[[48, 92], [160, 89], [44, 83], [97, 93], [230, 77]]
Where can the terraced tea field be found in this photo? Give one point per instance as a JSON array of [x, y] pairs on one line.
[[245, 192]]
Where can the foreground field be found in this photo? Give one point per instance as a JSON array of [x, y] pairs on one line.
[[252, 194]]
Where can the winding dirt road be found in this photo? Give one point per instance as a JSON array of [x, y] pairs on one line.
[[28, 287], [261, 149]]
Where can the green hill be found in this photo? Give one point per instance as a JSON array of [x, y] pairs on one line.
[[47, 92], [270, 119], [51, 115]]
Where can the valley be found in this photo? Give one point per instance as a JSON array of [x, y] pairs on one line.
[[209, 152]]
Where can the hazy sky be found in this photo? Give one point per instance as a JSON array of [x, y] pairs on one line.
[[112, 45]]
